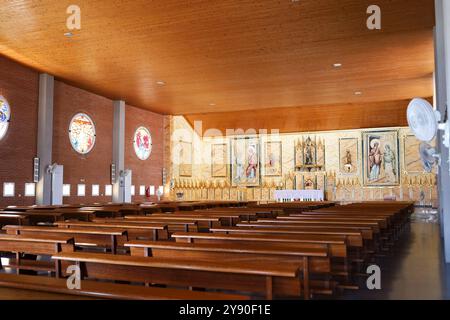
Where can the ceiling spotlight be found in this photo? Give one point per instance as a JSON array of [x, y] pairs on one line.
[[160, 83], [212, 104], [337, 65], [358, 93]]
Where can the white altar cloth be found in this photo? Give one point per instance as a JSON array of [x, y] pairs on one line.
[[299, 195]]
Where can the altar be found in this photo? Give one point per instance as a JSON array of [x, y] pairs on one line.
[[299, 195]]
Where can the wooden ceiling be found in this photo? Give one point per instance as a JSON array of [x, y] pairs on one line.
[[228, 55]]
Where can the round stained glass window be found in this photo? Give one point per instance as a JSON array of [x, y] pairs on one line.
[[142, 143], [5, 115], [82, 133]]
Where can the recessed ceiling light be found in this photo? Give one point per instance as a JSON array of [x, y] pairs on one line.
[[160, 83], [337, 65], [68, 34], [358, 93], [212, 104]]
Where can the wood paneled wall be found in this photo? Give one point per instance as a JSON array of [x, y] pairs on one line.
[[305, 119]]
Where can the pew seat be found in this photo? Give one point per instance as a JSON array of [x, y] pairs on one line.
[[151, 231], [310, 259], [337, 246], [105, 237], [173, 225], [263, 278], [354, 238], [14, 219], [38, 216], [35, 245]]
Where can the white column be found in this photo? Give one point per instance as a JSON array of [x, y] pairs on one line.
[[45, 138], [119, 149], [442, 82]]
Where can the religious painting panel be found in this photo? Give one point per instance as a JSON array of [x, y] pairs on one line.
[[219, 160], [185, 157], [309, 182], [348, 155], [272, 158], [245, 156], [381, 158]]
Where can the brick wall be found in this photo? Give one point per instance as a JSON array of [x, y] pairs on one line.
[[145, 172], [20, 86], [94, 167]]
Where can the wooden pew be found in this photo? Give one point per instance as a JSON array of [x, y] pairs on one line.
[[246, 214], [270, 279], [369, 230], [383, 237], [296, 207], [25, 208], [149, 231], [63, 214], [358, 225], [106, 290], [77, 214], [337, 246], [360, 253], [40, 216], [396, 205], [382, 221], [229, 216], [354, 241], [375, 225], [173, 225], [106, 237], [353, 238], [203, 221], [13, 219], [149, 209], [367, 211], [105, 211], [36, 245], [383, 215], [352, 213], [397, 221], [311, 259], [167, 208]]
